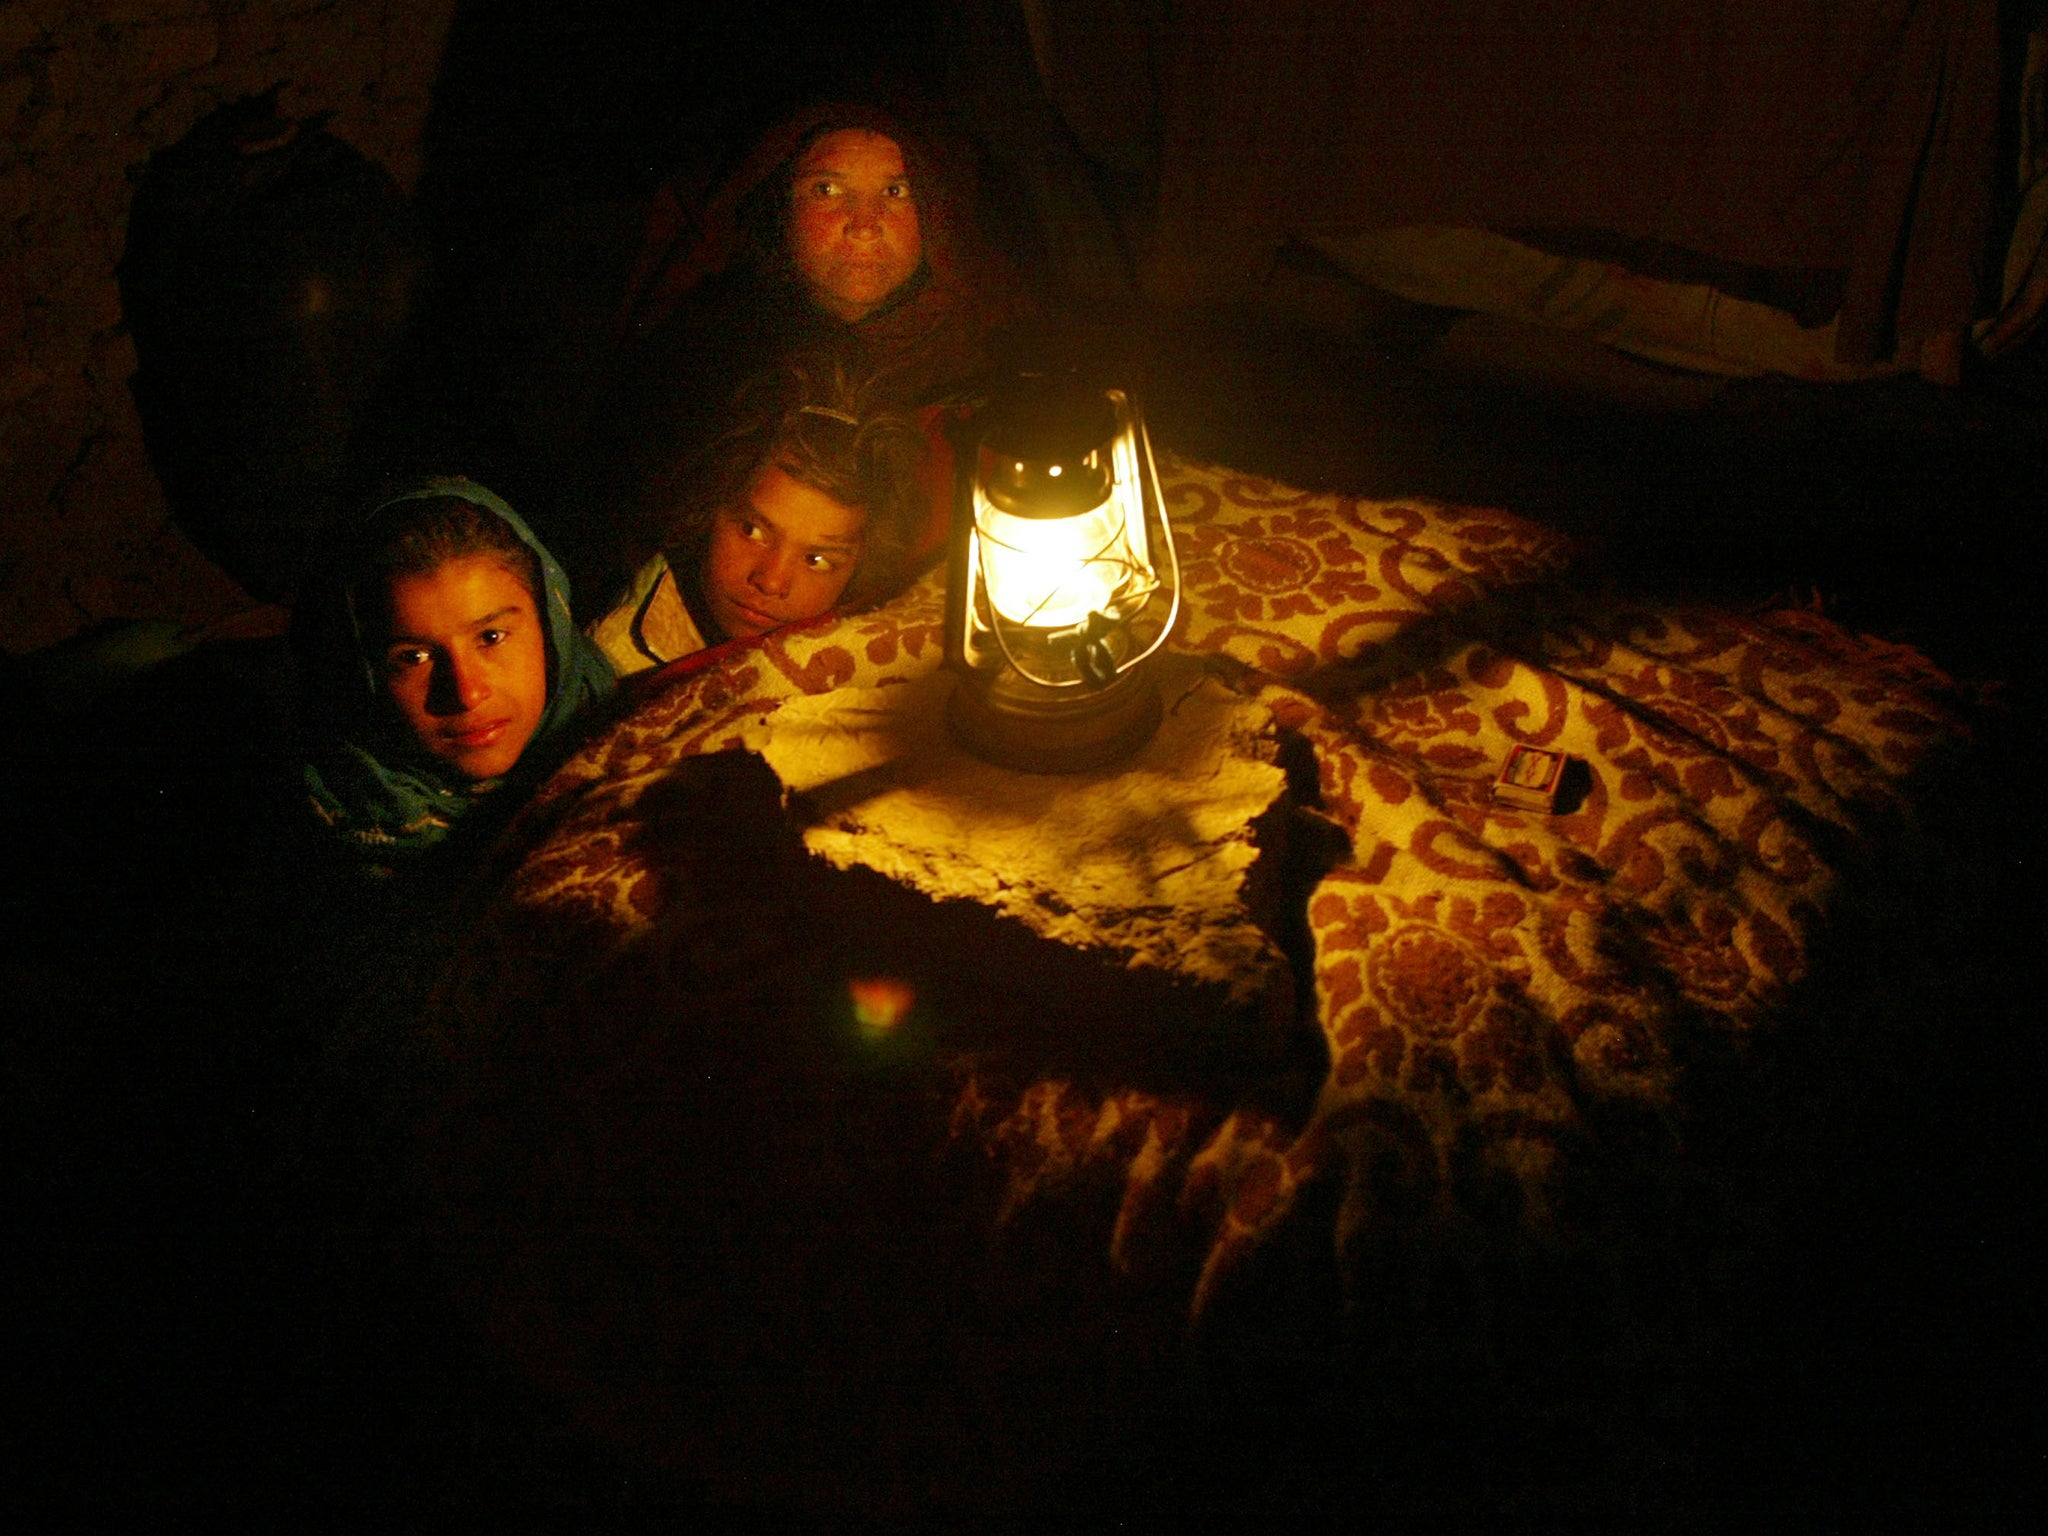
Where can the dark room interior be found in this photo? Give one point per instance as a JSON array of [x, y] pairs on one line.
[[493, 1226]]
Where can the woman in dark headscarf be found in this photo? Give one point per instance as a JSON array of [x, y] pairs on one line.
[[848, 229], [443, 671], [846, 216]]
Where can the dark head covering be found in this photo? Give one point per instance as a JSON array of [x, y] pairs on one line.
[[370, 784], [933, 330], [715, 301]]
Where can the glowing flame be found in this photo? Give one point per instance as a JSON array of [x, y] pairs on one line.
[[880, 1003], [1051, 573]]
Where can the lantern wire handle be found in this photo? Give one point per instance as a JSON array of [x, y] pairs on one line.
[[1166, 534]]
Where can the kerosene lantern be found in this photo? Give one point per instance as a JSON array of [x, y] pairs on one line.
[[1062, 580]]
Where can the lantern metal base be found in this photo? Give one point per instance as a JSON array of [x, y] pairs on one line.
[[1015, 723]]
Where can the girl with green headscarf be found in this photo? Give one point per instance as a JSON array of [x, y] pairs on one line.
[[443, 670]]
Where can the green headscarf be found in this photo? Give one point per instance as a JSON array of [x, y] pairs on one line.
[[370, 785]]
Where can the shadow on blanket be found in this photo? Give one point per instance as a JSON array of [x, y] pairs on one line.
[[1058, 1239]]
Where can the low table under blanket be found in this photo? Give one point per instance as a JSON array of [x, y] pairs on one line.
[[675, 1182]]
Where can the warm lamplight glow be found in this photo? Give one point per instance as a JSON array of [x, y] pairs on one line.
[[1054, 605], [1052, 572]]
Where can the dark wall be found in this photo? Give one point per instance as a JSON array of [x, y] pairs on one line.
[[541, 103], [89, 89]]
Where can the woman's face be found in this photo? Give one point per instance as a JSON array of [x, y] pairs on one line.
[[784, 553], [467, 664], [853, 233]]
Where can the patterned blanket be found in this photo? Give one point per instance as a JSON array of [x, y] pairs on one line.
[[683, 1182]]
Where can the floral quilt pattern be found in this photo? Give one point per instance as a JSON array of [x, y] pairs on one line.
[[1506, 1005]]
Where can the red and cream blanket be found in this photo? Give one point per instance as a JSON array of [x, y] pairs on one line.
[[675, 1182]]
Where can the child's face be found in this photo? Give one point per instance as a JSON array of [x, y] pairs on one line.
[[853, 232], [467, 665], [784, 553]]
